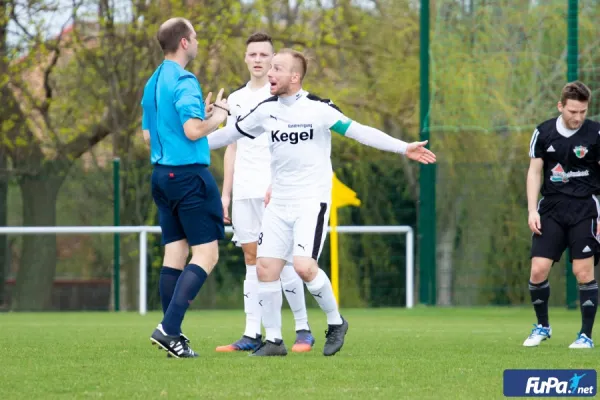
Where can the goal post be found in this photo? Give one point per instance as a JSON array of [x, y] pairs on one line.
[[143, 232]]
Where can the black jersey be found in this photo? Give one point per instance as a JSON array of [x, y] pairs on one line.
[[570, 157]]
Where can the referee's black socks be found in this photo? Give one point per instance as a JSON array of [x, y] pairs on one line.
[[540, 293], [188, 285], [588, 303]]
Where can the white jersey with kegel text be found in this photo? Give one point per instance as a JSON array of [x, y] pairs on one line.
[[298, 131]]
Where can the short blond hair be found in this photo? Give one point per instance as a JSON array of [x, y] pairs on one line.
[[299, 58]]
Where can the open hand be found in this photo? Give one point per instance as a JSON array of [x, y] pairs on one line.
[[417, 151], [208, 108]]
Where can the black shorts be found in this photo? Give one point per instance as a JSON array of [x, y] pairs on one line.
[[567, 222], [189, 204]]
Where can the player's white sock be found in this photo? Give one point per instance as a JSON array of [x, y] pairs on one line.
[[270, 297], [321, 289], [293, 288], [251, 306]]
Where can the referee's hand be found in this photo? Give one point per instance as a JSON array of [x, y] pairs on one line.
[[208, 108], [220, 107], [534, 222]]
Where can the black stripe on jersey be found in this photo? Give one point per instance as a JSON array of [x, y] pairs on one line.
[[272, 98], [330, 103], [242, 132], [319, 231]]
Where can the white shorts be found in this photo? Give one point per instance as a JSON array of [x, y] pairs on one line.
[[293, 229], [246, 217]]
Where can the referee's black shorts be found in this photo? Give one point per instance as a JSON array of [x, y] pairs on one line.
[[189, 204], [567, 222]]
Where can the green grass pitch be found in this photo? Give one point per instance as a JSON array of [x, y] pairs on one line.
[[424, 353]]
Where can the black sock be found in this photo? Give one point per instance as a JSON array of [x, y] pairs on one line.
[[188, 285], [166, 285], [540, 293], [588, 303]]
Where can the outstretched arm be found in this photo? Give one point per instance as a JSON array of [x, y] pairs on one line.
[[375, 138], [249, 126], [339, 123], [224, 136]]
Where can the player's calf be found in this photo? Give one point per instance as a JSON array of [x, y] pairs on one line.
[[539, 291], [588, 299]]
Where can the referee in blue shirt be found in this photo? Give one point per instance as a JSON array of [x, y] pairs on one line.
[[175, 123]]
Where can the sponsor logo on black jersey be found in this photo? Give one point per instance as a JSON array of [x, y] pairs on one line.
[[560, 175]]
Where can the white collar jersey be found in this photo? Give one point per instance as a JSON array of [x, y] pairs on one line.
[[298, 131], [252, 173]]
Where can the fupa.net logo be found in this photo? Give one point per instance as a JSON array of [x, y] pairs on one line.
[[550, 383]]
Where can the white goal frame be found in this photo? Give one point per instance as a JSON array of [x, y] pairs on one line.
[[143, 246]]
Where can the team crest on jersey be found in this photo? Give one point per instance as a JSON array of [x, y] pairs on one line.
[[560, 175], [580, 151]]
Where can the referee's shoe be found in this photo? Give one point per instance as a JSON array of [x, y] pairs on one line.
[[176, 346]]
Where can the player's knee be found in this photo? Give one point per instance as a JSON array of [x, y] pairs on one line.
[[176, 254], [306, 268], [584, 270], [268, 269], [262, 272], [540, 268], [205, 255]]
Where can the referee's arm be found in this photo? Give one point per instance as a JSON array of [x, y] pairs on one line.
[[146, 129], [191, 109]]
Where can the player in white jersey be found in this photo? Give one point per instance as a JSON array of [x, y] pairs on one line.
[[248, 174], [299, 127]]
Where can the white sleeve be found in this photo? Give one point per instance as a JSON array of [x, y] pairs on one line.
[[339, 123], [223, 137], [251, 125], [233, 112], [536, 147], [231, 120], [334, 119], [375, 138]]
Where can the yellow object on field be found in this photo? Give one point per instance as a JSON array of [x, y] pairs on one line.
[[341, 196]]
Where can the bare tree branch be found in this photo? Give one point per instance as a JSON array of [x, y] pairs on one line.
[[82, 143], [15, 19]]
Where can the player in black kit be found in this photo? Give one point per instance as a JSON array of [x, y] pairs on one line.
[[566, 150]]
